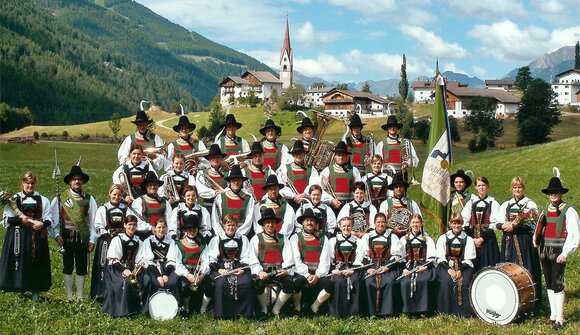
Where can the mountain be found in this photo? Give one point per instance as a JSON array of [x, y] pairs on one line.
[[549, 65], [388, 87], [473, 82], [78, 61]]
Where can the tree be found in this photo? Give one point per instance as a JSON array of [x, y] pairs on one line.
[[115, 124], [577, 56], [342, 86], [538, 113], [318, 84], [366, 88], [404, 83], [292, 97], [482, 119], [523, 78], [454, 129], [217, 116], [405, 116], [421, 130]]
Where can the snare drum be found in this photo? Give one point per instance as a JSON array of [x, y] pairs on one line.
[[502, 293], [163, 306]]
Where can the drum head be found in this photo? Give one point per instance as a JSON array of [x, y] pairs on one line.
[[163, 306], [494, 296]]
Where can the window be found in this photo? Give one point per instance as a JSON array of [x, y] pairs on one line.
[[566, 86]]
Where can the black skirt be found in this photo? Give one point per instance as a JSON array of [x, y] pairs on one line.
[[345, 292], [233, 296], [453, 298], [99, 266], [382, 293], [488, 254], [151, 286], [419, 297], [28, 267], [527, 256], [120, 298]]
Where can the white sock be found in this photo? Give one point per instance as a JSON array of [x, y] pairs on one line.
[[282, 298], [552, 301], [297, 297], [322, 297], [560, 297], [80, 282], [68, 286], [263, 299], [204, 304]]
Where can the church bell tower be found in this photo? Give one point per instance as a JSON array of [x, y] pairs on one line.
[[286, 62]]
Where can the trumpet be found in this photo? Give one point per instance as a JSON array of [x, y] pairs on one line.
[[171, 189], [152, 151], [132, 278], [240, 156]]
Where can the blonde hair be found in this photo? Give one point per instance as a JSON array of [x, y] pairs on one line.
[[456, 217], [517, 180], [115, 187], [231, 218], [28, 175], [376, 157]]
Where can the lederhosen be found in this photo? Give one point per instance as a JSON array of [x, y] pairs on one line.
[[553, 223], [115, 218], [76, 252], [136, 175], [272, 154], [359, 150], [270, 256], [279, 207], [25, 261], [488, 254], [257, 176]]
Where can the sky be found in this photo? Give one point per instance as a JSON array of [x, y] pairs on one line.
[[359, 40]]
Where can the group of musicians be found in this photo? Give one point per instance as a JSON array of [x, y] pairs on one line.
[[272, 228]]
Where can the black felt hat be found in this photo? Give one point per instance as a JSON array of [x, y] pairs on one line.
[[256, 148], [297, 148], [397, 180], [151, 177], [355, 121], [76, 170], [269, 213], [215, 150], [270, 124], [184, 121], [235, 172], [308, 213], [231, 120], [272, 180], [306, 122], [141, 117], [190, 221], [341, 148], [555, 186], [392, 121], [461, 173]]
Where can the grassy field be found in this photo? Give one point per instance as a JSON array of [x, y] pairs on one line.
[[54, 315]]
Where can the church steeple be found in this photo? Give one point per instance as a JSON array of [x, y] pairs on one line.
[[286, 62]]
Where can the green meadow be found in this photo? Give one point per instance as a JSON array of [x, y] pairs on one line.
[[53, 315]]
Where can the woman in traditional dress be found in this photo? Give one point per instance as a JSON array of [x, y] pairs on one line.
[[382, 248], [135, 170], [124, 273], [109, 222], [232, 264], [361, 210], [480, 216], [455, 253], [25, 261], [419, 281]]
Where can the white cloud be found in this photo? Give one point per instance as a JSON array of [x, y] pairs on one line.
[[452, 67], [307, 34], [551, 6], [489, 8], [432, 45], [506, 41], [479, 71], [388, 11]]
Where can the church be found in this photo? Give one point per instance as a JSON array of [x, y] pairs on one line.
[[261, 84]]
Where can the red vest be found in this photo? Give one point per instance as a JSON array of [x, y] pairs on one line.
[[235, 206], [231, 148], [152, 209], [270, 250], [555, 232], [359, 152], [272, 155], [136, 138], [392, 151], [342, 182], [310, 249], [299, 177], [258, 179], [190, 252]]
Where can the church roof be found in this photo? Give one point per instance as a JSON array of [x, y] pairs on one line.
[[286, 45], [263, 76]]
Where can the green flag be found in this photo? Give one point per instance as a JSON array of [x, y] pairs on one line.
[[435, 183]]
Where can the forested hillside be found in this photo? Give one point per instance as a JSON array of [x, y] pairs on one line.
[[78, 61]]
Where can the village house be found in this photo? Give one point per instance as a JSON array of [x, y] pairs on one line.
[[501, 84], [567, 87], [341, 102], [313, 96], [457, 97], [261, 83]]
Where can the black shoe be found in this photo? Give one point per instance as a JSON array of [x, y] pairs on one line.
[[557, 326], [549, 322]]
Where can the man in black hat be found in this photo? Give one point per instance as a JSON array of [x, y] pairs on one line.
[[337, 180], [306, 247], [150, 206], [229, 142], [297, 177], [275, 154], [185, 143], [210, 182], [234, 201], [307, 130], [142, 136], [257, 171], [76, 211], [399, 200], [557, 236], [392, 150], [274, 253], [362, 147], [460, 194], [273, 200]]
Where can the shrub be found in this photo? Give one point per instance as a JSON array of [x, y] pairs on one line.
[[65, 134], [36, 135]]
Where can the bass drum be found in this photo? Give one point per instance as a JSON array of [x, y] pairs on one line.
[[502, 293], [163, 306]]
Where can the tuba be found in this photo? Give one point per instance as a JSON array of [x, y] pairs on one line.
[[320, 152], [400, 218]]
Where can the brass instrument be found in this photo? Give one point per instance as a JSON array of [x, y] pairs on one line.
[[326, 187], [360, 223], [210, 183], [192, 160], [171, 191], [132, 278], [370, 140], [320, 153], [152, 151], [400, 218], [125, 184], [407, 155], [240, 156], [248, 188], [194, 286], [286, 181]]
